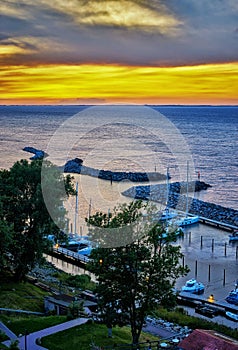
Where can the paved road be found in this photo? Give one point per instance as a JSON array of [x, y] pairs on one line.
[[31, 338]]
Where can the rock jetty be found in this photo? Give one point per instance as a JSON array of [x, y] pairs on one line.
[[177, 200], [38, 154], [76, 166]]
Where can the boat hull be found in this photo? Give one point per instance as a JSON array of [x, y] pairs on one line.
[[194, 287], [187, 221]]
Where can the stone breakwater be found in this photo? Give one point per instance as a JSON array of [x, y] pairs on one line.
[[76, 166], [177, 200]]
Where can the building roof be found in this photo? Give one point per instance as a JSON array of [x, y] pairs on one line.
[[66, 300], [201, 339]]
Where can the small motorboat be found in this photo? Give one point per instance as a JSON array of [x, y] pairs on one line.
[[188, 220], [234, 236], [232, 298], [192, 286], [232, 316]]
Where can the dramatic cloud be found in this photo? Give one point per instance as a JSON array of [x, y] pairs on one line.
[[136, 32], [118, 50]]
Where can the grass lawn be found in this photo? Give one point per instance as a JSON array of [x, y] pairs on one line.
[[19, 325], [81, 337], [24, 295]]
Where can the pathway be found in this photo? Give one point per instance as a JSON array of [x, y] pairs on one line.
[[29, 342]]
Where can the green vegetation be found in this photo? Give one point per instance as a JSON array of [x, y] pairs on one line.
[[24, 218], [78, 282], [18, 324], [83, 336], [179, 317], [138, 267], [19, 295]]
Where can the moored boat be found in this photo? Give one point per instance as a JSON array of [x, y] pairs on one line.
[[234, 236], [232, 316], [188, 220], [193, 286], [167, 215], [232, 297]]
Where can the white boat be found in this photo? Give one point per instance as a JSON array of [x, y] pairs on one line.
[[192, 286], [167, 215], [232, 316], [85, 251], [187, 220], [232, 297], [234, 236]]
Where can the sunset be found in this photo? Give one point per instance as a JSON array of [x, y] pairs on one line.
[[118, 174], [158, 52], [85, 84]]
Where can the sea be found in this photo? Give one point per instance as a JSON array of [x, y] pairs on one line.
[[132, 138], [186, 141]]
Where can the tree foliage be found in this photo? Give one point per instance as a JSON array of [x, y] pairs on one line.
[[25, 219], [134, 278]]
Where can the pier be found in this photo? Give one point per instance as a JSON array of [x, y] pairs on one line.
[[69, 256], [221, 225], [219, 306]]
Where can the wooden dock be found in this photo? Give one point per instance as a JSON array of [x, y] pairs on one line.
[[69, 256], [218, 224], [196, 300]]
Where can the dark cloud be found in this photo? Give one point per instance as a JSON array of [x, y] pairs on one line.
[[200, 31]]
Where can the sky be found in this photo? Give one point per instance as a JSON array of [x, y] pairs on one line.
[[119, 51]]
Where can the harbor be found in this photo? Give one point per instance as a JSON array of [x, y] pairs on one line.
[[211, 258]]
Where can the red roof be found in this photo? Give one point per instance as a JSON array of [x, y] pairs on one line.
[[201, 339]]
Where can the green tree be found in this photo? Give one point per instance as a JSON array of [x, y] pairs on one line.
[[5, 239], [24, 210], [135, 278]]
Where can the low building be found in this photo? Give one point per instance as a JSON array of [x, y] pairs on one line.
[[61, 303]]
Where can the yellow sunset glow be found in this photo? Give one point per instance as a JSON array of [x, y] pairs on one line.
[[203, 84], [10, 50]]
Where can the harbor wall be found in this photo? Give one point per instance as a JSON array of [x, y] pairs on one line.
[[177, 200]]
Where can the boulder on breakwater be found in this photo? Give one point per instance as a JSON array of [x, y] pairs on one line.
[[177, 200], [38, 154]]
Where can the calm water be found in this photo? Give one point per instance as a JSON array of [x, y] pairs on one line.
[[139, 139], [132, 140]]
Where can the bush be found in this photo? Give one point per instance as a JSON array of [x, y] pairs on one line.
[[2, 336], [14, 345], [78, 281]]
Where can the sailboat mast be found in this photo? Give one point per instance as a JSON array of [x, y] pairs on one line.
[[167, 189], [76, 209], [187, 191]]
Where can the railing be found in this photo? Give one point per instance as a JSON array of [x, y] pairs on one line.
[[73, 255]]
